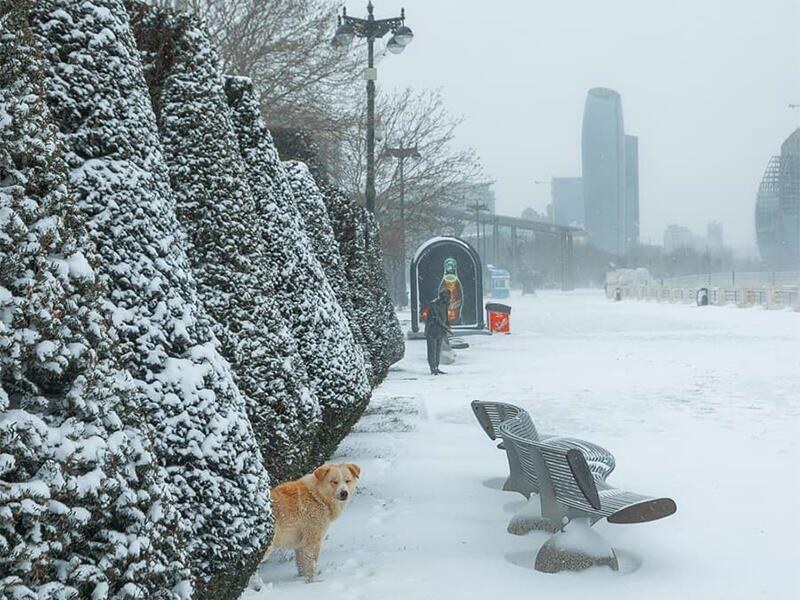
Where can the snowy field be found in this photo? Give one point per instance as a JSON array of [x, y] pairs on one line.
[[699, 404]]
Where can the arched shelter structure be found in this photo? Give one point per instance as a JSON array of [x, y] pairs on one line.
[[447, 262]]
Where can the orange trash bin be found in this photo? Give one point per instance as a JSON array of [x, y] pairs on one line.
[[499, 317]]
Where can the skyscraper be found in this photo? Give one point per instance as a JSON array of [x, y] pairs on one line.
[[631, 190], [568, 208], [778, 208], [603, 157], [714, 235], [677, 237]]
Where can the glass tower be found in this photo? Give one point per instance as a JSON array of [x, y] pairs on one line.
[[603, 157], [568, 207], [631, 190], [778, 208]]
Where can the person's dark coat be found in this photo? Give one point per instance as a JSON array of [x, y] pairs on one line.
[[437, 324], [436, 330]]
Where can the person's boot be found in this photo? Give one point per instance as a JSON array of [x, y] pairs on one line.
[[440, 372]]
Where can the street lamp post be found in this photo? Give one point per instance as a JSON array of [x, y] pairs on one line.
[[401, 154], [372, 29], [478, 208]]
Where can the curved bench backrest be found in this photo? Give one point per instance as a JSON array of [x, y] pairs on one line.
[[514, 433], [491, 414], [570, 477], [522, 426], [568, 474]]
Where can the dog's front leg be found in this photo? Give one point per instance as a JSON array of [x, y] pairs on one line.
[[298, 560], [308, 559]]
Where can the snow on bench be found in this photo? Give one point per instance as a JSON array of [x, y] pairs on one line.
[[491, 414], [569, 490]]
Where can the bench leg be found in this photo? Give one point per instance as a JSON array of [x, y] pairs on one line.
[[529, 518], [511, 485], [576, 548]]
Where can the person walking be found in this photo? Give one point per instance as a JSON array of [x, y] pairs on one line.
[[436, 329]]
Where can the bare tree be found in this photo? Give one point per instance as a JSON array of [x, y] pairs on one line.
[[306, 84], [312, 96], [436, 183], [433, 182], [284, 47]]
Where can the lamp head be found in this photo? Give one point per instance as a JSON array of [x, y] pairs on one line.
[[344, 35], [403, 35], [394, 46]]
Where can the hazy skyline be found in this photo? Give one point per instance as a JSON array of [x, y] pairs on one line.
[[705, 86]]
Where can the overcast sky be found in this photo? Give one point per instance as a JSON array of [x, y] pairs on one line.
[[705, 85]]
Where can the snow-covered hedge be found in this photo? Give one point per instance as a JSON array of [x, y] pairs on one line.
[[311, 206], [83, 508], [392, 347], [226, 242], [368, 305], [98, 97], [334, 363], [176, 310], [358, 236]]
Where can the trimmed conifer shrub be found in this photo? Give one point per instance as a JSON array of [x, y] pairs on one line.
[[99, 100], [393, 346], [311, 207], [376, 325], [83, 509], [358, 236], [334, 363], [227, 247]]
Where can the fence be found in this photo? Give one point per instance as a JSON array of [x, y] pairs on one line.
[[770, 289], [734, 279]]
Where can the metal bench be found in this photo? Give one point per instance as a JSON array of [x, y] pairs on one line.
[[569, 489], [491, 414]]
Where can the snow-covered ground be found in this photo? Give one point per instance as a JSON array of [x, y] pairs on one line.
[[699, 404]]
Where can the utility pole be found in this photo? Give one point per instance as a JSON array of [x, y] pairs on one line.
[[372, 29], [478, 208], [401, 154]]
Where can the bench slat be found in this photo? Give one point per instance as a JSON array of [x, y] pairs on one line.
[[574, 483], [491, 414]]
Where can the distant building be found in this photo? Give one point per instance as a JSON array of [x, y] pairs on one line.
[[603, 160], [568, 208], [714, 236], [677, 237], [778, 208], [631, 190], [532, 214]]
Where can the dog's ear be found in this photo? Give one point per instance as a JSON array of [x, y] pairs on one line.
[[354, 469], [321, 472]]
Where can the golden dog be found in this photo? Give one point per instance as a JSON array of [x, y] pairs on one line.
[[305, 508]]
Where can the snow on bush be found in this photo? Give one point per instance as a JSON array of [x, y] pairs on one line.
[[392, 347], [98, 97], [311, 206], [333, 361], [359, 245], [369, 305], [227, 247], [83, 511]]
